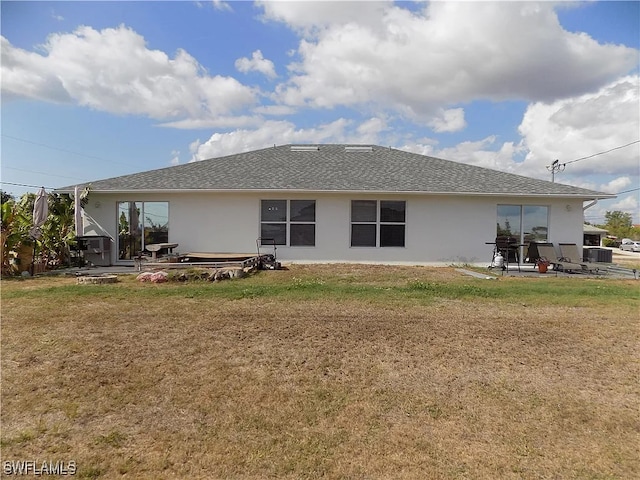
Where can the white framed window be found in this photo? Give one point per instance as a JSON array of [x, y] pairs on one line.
[[378, 223], [288, 222], [141, 224]]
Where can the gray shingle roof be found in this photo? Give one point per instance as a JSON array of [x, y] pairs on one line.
[[334, 168]]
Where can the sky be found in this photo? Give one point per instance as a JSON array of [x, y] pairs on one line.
[[94, 90]]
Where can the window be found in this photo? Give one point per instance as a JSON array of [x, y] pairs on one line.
[[141, 224], [295, 217], [527, 223], [378, 223]]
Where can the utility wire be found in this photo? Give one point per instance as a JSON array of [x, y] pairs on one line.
[[601, 153], [63, 150], [627, 191], [44, 173], [557, 167], [25, 185]]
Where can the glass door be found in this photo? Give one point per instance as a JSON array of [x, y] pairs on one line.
[[129, 230]]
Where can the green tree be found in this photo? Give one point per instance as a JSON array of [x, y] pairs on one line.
[[58, 233], [5, 197], [618, 223], [14, 230]]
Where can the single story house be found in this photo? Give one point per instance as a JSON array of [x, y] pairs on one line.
[[593, 235], [333, 203]]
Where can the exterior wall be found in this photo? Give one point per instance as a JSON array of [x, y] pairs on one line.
[[439, 229]]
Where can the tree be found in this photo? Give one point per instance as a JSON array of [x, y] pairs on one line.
[[5, 197], [58, 233], [619, 224], [14, 231]]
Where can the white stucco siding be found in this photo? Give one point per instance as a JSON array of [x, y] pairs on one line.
[[439, 229], [214, 222]]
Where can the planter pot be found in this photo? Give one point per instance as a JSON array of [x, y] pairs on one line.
[[542, 267]]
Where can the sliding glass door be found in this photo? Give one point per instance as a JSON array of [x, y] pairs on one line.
[[141, 224]]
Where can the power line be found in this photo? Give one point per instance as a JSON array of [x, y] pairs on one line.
[[62, 149], [25, 185], [44, 173], [557, 167], [601, 153], [627, 191]]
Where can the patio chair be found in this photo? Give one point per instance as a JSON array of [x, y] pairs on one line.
[[548, 252], [569, 252]]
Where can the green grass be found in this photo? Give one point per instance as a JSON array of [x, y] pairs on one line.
[[557, 291]]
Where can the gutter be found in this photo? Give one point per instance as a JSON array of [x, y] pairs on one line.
[[595, 196]]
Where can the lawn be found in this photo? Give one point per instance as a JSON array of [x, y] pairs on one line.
[[354, 372]]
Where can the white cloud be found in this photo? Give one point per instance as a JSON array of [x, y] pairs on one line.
[[175, 158], [256, 63], [449, 53], [276, 110], [451, 120], [237, 121], [271, 133], [220, 5], [113, 70], [616, 185], [370, 130], [309, 17], [627, 204], [584, 125]]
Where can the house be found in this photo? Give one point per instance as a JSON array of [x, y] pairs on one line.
[[593, 235], [333, 203]]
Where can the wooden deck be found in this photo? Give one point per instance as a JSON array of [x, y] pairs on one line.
[[217, 256], [207, 260]]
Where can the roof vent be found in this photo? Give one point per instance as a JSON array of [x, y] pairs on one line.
[[360, 148], [304, 148]]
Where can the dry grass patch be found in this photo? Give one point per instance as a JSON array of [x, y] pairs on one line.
[[350, 372]]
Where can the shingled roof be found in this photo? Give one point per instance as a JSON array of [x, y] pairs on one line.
[[336, 168]]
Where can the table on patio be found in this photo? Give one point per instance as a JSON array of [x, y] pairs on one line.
[[156, 248]]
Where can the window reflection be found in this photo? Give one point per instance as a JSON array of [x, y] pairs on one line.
[[141, 224]]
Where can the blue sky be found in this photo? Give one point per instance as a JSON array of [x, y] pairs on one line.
[[93, 90]]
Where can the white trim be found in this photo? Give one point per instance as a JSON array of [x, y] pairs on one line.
[[353, 192]]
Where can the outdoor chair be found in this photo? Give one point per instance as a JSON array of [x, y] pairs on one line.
[[569, 252], [548, 252]]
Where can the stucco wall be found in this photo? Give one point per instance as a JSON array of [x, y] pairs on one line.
[[439, 229]]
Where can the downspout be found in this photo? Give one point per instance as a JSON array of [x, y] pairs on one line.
[[590, 205]]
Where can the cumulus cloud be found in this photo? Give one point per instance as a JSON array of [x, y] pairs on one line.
[[220, 5], [451, 120], [270, 133], [448, 53], [580, 126], [113, 70], [309, 17], [628, 204], [257, 63], [616, 185], [175, 158], [371, 129]]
